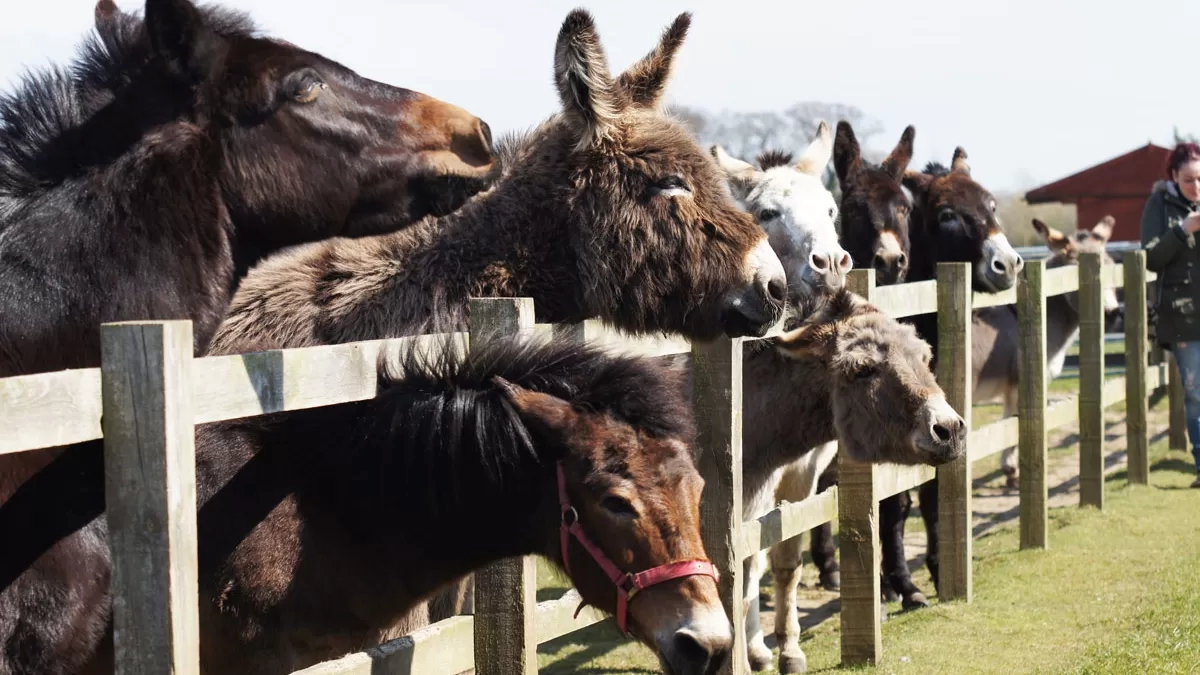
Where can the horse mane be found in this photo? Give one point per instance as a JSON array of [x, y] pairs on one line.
[[51, 101], [935, 168], [453, 419], [769, 159]]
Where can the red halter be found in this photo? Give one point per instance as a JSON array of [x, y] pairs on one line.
[[627, 583]]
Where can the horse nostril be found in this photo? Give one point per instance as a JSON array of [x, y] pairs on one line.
[[777, 289], [818, 262]]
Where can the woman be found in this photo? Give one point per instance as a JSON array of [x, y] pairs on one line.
[[1170, 221]]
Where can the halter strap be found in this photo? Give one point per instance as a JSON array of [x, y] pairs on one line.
[[628, 584]]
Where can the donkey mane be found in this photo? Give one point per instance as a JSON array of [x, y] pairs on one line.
[[453, 407], [37, 146], [769, 159], [936, 168]]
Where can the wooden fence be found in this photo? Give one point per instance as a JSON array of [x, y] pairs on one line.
[[153, 393]]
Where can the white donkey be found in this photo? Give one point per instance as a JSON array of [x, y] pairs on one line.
[[994, 330]]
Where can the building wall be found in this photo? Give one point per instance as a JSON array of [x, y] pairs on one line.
[[1126, 210]]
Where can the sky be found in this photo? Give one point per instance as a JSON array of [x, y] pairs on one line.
[[1032, 89]]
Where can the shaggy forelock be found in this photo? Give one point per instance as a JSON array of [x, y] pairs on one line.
[[770, 159]]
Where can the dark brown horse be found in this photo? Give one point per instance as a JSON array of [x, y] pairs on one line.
[[176, 151], [318, 529], [609, 209]]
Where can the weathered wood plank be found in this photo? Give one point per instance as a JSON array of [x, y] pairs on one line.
[[556, 618], [602, 335], [506, 590], [717, 401], [979, 300], [891, 479], [954, 479], [1062, 412], [444, 648], [991, 439], [790, 519], [150, 494], [1114, 274], [1032, 379], [1091, 381], [903, 300], [858, 525], [1060, 280], [49, 409], [1177, 417]]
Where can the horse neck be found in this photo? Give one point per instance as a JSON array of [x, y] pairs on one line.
[[788, 411]]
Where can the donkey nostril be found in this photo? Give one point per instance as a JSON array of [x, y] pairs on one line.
[[941, 432], [998, 265], [818, 262], [878, 262], [902, 261], [845, 262], [689, 650], [777, 289]]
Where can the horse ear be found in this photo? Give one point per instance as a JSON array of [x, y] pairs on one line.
[[818, 153], [959, 162], [1056, 241], [847, 156], [540, 412], [645, 81], [897, 162], [742, 176], [814, 340], [585, 88], [181, 37], [1104, 228]]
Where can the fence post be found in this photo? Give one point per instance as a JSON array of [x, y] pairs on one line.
[[1091, 381], [506, 590], [955, 542], [1136, 412], [717, 401], [150, 495], [1031, 396], [858, 527], [1177, 425]]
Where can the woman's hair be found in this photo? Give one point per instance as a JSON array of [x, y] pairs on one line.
[[1182, 154]]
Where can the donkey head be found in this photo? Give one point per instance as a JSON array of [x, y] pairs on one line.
[[875, 208], [798, 213], [1066, 250], [955, 221], [304, 147], [636, 492], [658, 242], [887, 404]]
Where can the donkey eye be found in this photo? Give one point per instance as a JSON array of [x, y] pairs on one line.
[[767, 215], [672, 186], [865, 372], [309, 92], [619, 506]]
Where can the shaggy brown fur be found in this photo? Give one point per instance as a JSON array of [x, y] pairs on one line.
[[608, 210], [874, 208]]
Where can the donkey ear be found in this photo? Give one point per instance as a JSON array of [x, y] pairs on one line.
[[646, 81], [181, 37], [106, 11], [959, 162], [1104, 228], [847, 156], [540, 412], [585, 88], [742, 176], [818, 153], [917, 183], [897, 162], [814, 340], [1056, 241]]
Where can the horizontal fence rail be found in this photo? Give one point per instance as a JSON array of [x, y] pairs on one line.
[[46, 410]]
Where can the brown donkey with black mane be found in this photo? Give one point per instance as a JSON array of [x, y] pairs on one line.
[[609, 209]]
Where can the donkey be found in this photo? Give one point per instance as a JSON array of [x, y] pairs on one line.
[[178, 150], [608, 209], [799, 214], [318, 528], [995, 359], [848, 372]]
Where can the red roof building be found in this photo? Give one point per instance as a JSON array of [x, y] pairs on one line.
[[1118, 187]]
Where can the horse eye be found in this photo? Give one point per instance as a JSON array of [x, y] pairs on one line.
[[619, 506], [309, 92], [767, 214]]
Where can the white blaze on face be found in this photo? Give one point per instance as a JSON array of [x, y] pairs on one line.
[[799, 216]]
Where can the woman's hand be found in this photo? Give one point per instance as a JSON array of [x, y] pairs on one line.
[[1191, 224]]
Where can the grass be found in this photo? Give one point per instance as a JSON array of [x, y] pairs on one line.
[[1116, 593]]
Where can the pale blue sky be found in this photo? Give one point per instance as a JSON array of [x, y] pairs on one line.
[[1033, 89]]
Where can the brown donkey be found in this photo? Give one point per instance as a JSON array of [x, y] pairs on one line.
[[609, 209]]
